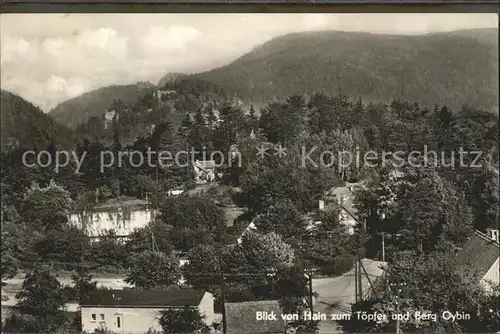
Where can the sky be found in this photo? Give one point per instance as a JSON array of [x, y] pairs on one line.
[[50, 58]]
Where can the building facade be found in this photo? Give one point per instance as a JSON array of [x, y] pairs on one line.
[[343, 198], [121, 217], [135, 311], [204, 171]]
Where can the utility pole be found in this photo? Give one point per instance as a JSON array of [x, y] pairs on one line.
[[399, 288], [223, 295], [360, 280], [81, 277], [152, 241], [383, 247], [383, 239], [356, 278], [398, 328], [310, 273], [147, 201]]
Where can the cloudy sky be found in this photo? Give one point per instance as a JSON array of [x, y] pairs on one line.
[[49, 58]]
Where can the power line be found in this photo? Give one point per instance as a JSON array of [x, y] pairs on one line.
[[269, 273]]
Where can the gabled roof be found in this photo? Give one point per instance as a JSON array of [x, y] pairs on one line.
[[143, 298], [204, 164], [241, 317], [479, 253], [348, 205]]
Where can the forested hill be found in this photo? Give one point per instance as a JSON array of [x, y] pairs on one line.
[[169, 103], [93, 104], [24, 125], [447, 68]]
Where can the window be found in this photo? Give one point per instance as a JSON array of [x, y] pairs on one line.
[[102, 317], [94, 317], [118, 324]]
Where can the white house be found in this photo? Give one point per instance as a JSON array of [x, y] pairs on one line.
[[481, 253], [109, 115], [137, 311], [160, 93], [175, 192], [121, 216]]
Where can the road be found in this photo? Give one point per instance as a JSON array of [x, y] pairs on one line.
[[337, 294]]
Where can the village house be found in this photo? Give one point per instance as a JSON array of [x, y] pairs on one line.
[[121, 216], [204, 171], [160, 94], [175, 192], [481, 253], [137, 311], [241, 318]]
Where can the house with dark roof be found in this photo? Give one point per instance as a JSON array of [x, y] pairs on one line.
[[121, 215], [344, 198], [137, 311], [481, 253], [241, 318], [204, 171]]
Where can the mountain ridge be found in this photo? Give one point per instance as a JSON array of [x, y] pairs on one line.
[[369, 65], [453, 68]]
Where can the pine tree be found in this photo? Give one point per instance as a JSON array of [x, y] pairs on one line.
[[198, 134]]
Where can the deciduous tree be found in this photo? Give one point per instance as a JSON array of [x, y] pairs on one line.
[[150, 269], [267, 251], [186, 320], [40, 306]]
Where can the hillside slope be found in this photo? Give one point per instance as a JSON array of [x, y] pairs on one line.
[[168, 103], [24, 125], [79, 109], [451, 68]]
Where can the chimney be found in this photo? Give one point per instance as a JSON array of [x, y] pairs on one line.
[[493, 234]]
